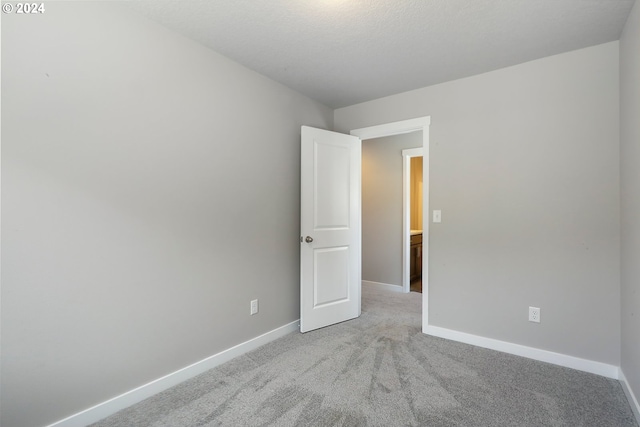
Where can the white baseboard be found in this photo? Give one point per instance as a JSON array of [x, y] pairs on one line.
[[385, 286], [598, 368], [631, 397], [111, 406]]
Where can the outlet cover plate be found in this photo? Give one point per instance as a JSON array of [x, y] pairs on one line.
[[534, 314]]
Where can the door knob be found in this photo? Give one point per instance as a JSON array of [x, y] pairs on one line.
[[308, 239]]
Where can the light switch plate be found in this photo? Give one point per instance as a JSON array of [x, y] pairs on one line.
[[437, 216]]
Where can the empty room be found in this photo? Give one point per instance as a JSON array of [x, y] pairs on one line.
[[183, 213]]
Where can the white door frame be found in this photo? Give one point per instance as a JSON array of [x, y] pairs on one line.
[[407, 154], [397, 128]]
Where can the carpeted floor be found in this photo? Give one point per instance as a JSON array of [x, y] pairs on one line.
[[380, 370]]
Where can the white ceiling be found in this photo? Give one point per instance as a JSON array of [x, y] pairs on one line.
[[342, 52]]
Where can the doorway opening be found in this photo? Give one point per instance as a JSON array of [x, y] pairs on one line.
[[398, 128], [412, 206], [392, 212]]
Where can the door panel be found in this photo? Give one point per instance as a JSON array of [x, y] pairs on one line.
[[332, 195], [331, 279], [330, 228]]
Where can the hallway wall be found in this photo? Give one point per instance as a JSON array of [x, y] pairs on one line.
[[382, 206]]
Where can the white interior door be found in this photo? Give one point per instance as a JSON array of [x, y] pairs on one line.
[[330, 258]]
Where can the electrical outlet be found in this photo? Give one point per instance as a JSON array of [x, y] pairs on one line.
[[534, 314], [254, 307]]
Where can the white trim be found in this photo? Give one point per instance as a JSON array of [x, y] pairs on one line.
[[412, 152], [111, 406], [383, 286], [631, 397], [598, 368], [396, 128], [407, 154]]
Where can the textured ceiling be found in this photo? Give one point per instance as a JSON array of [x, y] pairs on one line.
[[342, 52]]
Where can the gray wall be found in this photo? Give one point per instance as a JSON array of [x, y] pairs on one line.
[[150, 190], [524, 164], [630, 195], [382, 206]]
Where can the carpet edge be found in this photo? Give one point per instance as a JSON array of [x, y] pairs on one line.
[[585, 365], [131, 397], [631, 397]]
